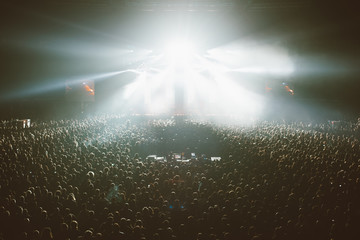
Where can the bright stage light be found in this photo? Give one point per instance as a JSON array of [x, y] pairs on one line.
[[179, 78], [179, 51]]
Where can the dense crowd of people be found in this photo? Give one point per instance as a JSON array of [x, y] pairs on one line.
[[90, 179]]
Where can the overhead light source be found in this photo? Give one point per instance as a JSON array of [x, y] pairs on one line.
[[179, 51]]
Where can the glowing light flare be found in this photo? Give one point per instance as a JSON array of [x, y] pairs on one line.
[[89, 89], [58, 84], [207, 81], [288, 89], [179, 51]]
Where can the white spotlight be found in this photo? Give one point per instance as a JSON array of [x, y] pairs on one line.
[[179, 51]]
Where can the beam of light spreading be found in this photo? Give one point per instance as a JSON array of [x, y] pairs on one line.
[[94, 53], [247, 57], [71, 47], [89, 89], [214, 92], [179, 79], [59, 84], [149, 92]]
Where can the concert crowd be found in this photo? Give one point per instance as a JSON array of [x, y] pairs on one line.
[[90, 179]]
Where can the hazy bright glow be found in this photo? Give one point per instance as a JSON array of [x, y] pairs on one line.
[[247, 57], [204, 82], [59, 84], [179, 51], [207, 83]]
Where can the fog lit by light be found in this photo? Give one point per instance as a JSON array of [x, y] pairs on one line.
[[179, 51], [206, 82]]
